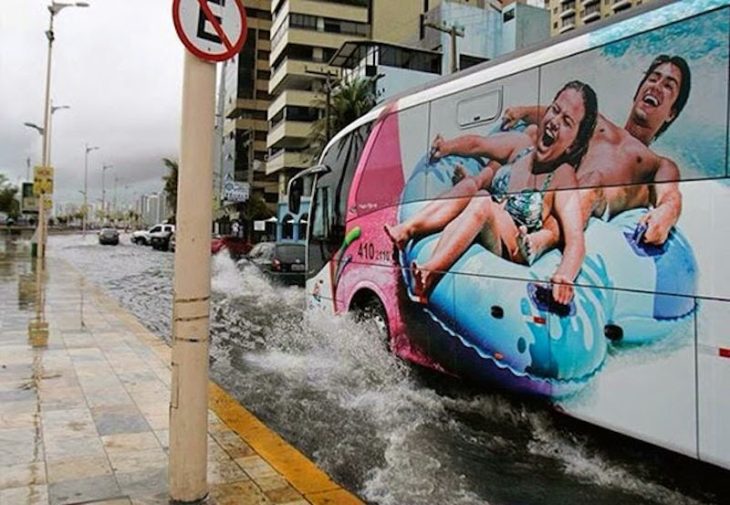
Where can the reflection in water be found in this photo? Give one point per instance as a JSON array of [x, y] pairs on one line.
[[31, 277], [38, 327]]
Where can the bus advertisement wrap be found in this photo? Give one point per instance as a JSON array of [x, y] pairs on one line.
[[553, 225]]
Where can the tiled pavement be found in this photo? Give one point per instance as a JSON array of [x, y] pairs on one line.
[[84, 395]]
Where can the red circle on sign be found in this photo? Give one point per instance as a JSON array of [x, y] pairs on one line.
[[233, 49]]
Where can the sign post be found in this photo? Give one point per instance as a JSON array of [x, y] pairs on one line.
[[42, 185], [210, 30]]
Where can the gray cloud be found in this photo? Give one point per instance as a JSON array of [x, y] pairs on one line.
[[118, 65]]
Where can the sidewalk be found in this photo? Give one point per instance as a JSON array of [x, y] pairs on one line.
[[84, 396]]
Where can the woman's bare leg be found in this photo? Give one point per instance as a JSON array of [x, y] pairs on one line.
[[456, 238], [436, 215]]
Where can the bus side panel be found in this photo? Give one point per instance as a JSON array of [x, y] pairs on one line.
[[713, 363], [647, 391]]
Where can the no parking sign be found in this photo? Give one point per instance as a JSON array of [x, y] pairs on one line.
[[212, 30]]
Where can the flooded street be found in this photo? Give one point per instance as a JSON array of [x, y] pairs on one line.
[[391, 432]]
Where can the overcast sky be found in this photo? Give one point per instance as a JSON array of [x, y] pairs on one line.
[[118, 65]]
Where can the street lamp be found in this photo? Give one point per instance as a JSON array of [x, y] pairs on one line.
[[87, 150], [35, 127], [53, 9]]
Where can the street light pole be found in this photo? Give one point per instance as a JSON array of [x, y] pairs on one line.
[[54, 9], [104, 168], [87, 150]]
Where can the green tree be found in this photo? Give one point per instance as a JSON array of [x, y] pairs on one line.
[[350, 100], [255, 208], [171, 184], [8, 203]]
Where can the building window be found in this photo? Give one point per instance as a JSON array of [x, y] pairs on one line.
[[466, 61], [264, 75], [264, 34], [508, 16], [303, 21]]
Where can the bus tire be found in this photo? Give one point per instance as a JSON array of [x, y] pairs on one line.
[[366, 306]]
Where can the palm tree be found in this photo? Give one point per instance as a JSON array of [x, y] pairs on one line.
[[350, 100], [171, 184]]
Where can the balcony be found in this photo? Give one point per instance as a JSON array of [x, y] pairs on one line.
[[292, 130], [567, 26], [294, 73], [620, 5], [355, 10], [295, 97], [591, 15], [567, 10], [284, 159]]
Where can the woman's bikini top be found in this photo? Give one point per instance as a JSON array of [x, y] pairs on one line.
[[525, 207]]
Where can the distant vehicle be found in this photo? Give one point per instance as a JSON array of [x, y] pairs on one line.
[[173, 241], [108, 236], [160, 236], [280, 261], [142, 237]]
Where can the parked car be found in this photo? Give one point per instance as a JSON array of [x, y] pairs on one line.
[[141, 237], [173, 241], [280, 261], [109, 236], [160, 236]]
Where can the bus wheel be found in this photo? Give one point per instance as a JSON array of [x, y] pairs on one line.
[[371, 309]]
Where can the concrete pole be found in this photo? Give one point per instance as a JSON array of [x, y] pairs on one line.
[[191, 302], [42, 230]]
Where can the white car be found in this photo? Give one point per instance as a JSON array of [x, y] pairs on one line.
[[160, 236], [143, 237], [140, 237]]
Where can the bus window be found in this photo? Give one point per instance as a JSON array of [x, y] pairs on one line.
[[331, 190], [321, 224]]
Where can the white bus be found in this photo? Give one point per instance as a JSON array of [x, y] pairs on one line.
[[554, 223]]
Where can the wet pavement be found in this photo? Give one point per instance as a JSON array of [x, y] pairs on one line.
[[391, 432], [84, 396]]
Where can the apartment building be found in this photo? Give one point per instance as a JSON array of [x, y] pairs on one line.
[[566, 15], [242, 112], [305, 34]]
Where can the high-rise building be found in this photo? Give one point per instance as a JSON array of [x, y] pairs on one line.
[[305, 34], [245, 92], [422, 52], [566, 15], [152, 208]]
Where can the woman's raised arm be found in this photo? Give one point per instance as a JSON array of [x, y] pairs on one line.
[[566, 209], [500, 147]]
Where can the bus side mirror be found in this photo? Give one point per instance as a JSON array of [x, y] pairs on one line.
[[296, 189]]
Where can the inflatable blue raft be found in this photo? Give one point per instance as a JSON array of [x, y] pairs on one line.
[[497, 320]]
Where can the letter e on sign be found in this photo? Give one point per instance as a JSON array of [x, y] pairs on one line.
[[212, 30]]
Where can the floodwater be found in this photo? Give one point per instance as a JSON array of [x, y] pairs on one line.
[[393, 433]]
